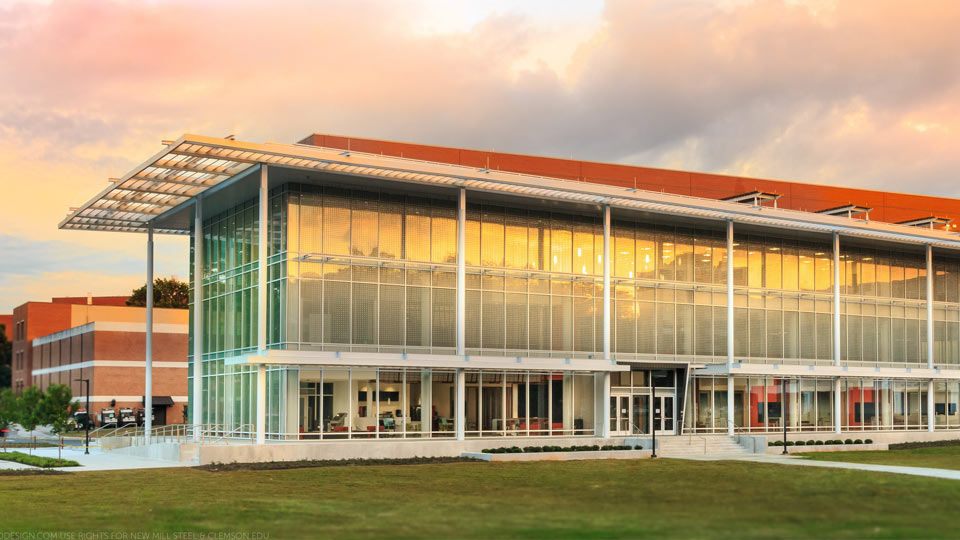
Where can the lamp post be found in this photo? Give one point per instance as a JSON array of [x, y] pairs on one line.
[[783, 413], [87, 423], [653, 397]]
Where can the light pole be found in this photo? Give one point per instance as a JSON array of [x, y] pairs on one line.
[[783, 413], [653, 397], [87, 423]]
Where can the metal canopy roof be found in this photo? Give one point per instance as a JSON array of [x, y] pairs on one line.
[[165, 184], [170, 177]]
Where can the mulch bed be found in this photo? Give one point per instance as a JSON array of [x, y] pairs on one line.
[[924, 444], [281, 465]]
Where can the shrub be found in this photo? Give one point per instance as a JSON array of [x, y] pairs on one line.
[[811, 442], [848, 441], [818, 443], [868, 441], [776, 443], [790, 443], [800, 443], [37, 461], [858, 441]]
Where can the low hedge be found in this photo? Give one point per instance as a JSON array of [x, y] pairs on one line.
[[924, 444], [829, 441], [536, 449], [37, 461]]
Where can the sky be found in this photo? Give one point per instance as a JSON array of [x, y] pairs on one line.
[[859, 93]]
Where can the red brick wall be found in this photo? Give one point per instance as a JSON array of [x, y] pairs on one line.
[[889, 207], [39, 319], [114, 382]]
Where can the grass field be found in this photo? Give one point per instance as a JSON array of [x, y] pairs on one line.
[[586, 499], [947, 457]]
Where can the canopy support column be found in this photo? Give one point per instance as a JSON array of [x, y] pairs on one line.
[[148, 353], [262, 250], [196, 405]]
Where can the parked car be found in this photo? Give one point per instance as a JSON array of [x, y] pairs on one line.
[[108, 418], [141, 415], [127, 417], [81, 420]]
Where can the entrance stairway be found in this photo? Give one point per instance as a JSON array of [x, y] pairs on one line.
[[698, 445]]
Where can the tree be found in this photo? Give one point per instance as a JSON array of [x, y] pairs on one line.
[[8, 411], [28, 409], [167, 293], [56, 408], [6, 356]]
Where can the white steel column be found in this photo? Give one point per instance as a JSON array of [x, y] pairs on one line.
[[837, 413], [836, 299], [930, 400], [148, 352], [606, 283], [460, 399], [604, 430], [197, 316], [730, 327], [262, 308], [462, 273]]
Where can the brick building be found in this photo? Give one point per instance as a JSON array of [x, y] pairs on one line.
[[102, 339]]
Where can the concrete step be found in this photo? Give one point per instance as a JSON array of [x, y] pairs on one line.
[[698, 446]]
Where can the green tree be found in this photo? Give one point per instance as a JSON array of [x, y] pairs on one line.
[[167, 293], [28, 409], [6, 357], [55, 409], [8, 411]]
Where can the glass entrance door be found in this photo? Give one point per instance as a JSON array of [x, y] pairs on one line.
[[619, 415], [663, 414]]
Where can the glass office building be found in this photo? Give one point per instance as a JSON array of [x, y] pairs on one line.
[[393, 298]]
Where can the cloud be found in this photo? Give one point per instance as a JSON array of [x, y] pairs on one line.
[[855, 93]]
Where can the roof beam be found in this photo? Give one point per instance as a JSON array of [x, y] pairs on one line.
[[157, 191], [123, 206], [112, 196], [179, 179], [177, 165]]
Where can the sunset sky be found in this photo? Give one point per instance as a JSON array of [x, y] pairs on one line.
[[863, 94]]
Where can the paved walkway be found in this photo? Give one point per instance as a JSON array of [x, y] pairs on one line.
[[896, 469], [804, 462], [96, 460]]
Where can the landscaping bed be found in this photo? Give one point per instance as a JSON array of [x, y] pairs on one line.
[[310, 463], [829, 445], [559, 453], [37, 461]]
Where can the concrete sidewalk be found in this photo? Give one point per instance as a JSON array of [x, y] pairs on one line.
[[803, 462], [96, 460]]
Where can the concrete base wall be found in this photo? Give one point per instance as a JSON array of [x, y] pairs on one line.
[[888, 437], [165, 451], [383, 449], [562, 456], [827, 448]]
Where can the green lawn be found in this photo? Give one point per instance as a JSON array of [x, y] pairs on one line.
[[945, 457], [584, 499]]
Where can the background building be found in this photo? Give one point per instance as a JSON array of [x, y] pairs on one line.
[[426, 292], [34, 319], [102, 339]]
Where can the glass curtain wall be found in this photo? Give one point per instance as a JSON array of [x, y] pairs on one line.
[[229, 316], [534, 283], [883, 308], [946, 314], [669, 294], [806, 404], [372, 403]]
